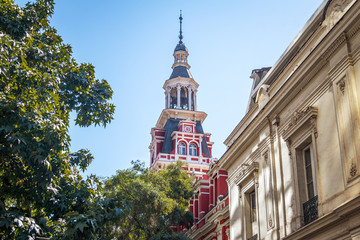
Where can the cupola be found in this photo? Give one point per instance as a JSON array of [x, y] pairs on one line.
[[180, 88]]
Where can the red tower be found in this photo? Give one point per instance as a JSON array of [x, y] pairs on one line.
[[178, 134]]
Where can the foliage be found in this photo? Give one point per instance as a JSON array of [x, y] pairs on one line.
[[146, 204], [41, 190]]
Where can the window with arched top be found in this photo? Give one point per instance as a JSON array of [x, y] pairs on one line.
[[193, 150], [182, 148]]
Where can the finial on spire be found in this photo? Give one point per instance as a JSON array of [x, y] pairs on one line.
[[180, 36]]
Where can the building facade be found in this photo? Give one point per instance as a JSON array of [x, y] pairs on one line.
[[293, 161], [210, 206]]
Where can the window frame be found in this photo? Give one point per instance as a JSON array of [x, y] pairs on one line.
[[183, 148], [252, 206], [300, 133], [193, 149], [313, 173]]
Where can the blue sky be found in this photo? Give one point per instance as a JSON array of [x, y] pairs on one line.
[[131, 43]]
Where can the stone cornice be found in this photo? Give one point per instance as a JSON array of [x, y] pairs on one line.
[[334, 46], [185, 82]]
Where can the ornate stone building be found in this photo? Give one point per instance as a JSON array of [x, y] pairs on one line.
[[294, 159]]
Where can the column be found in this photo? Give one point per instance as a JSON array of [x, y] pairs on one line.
[[218, 234], [178, 87], [195, 100], [189, 98], [168, 92]]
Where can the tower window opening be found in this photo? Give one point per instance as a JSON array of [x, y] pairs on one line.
[[173, 100], [193, 101], [182, 148], [184, 99], [193, 150]]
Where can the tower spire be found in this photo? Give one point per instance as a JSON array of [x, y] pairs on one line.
[[181, 36]]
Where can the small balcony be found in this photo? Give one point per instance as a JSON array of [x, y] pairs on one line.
[[310, 209]]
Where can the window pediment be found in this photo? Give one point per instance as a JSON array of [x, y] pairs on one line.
[[246, 171], [300, 119]]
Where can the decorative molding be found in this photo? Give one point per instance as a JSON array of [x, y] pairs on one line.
[[262, 96], [239, 187], [356, 55], [247, 171], [288, 144], [241, 169], [270, 222], [276, 121], [353, 31], [335, 12], [266, 157], [313, 123], [341, 85], [353, 170], [298, 119], [333, 47]]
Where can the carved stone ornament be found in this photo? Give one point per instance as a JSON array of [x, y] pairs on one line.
[[188, 129], [243, 169], [335, 11], [314, 126], [298, 119], [353, 170], [341, 85], [270, 222], [239, 189], [297, 115], [288, 145], [266, 157]]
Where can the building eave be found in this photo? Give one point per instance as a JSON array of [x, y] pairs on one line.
[[179, 114]]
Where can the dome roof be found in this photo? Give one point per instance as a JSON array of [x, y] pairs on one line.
[[180, 47], [180, 71]]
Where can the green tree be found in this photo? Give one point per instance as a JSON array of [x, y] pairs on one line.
[[41, 190], [146, 204]]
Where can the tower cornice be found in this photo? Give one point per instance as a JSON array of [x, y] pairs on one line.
[[179, 114], [180, 81]]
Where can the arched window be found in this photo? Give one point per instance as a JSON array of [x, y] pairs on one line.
[[182, 148], [193, 150]]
